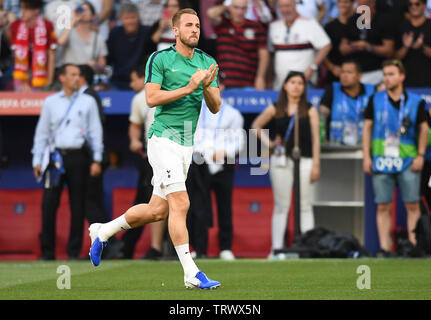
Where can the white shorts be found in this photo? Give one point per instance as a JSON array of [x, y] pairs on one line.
[[170, 162]]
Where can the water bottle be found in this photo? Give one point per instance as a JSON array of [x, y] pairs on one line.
[[322, 131]]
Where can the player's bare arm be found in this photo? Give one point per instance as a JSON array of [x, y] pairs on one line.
[[156, 96], [212, 94]]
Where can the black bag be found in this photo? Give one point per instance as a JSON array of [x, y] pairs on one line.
[[341, 245], [423, 234], [322, 243], [307, 244]]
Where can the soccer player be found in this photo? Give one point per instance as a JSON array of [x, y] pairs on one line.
[[177, 80]]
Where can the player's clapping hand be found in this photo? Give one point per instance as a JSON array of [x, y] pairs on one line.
[[212, 73], [197, 78]]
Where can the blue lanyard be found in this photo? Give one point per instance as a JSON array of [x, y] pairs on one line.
[[68, 110], [346, 106], [52, 139], [401, 112], [290, 127]]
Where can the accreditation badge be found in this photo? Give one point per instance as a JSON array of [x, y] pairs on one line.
[[279, 158], [392, 146], [350, 133]]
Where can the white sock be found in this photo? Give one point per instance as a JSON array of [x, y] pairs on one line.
[[189, 266], [108, 229]]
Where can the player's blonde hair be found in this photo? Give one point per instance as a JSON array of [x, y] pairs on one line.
[[177, 16]]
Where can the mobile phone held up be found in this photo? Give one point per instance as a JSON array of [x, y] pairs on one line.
[[167, 14]]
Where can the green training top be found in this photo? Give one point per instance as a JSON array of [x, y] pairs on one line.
[[177, 120]]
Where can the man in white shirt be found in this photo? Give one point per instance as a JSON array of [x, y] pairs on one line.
[[298, 44], [219, 138]]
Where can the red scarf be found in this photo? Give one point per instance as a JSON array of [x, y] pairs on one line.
[[39, 65]]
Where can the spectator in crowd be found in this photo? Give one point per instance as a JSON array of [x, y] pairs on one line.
[[336, 30], [162, 33], [394, 141], [128, 46], [68, 119], [241, 47], [291, 103], [257, 10], [414, 46], [294, 41], [83, 45], [369, 45], [103, 10], [150, 11], [219, 138], [346, 101], [207, 41], [141, 119], [313, 9], [33, 42], [95, 209]]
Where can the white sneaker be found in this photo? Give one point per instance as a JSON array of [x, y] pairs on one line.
[[227, 255], [94, 231]]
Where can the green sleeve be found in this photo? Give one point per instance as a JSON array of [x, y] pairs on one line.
[[154, 69]]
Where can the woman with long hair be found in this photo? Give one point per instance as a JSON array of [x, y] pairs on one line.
[[291, 103]]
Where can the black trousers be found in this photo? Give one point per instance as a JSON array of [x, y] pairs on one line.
[[200, 184], [94, 206], [77, 166], [144, 192]]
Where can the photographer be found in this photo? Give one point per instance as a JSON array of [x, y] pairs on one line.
[[394, 140]]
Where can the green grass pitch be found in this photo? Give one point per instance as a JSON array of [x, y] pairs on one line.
[[243, 279]]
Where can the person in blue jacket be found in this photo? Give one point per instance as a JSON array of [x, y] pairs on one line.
[[342, 106]]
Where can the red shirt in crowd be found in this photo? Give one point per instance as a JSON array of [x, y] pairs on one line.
[[237, 50]]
